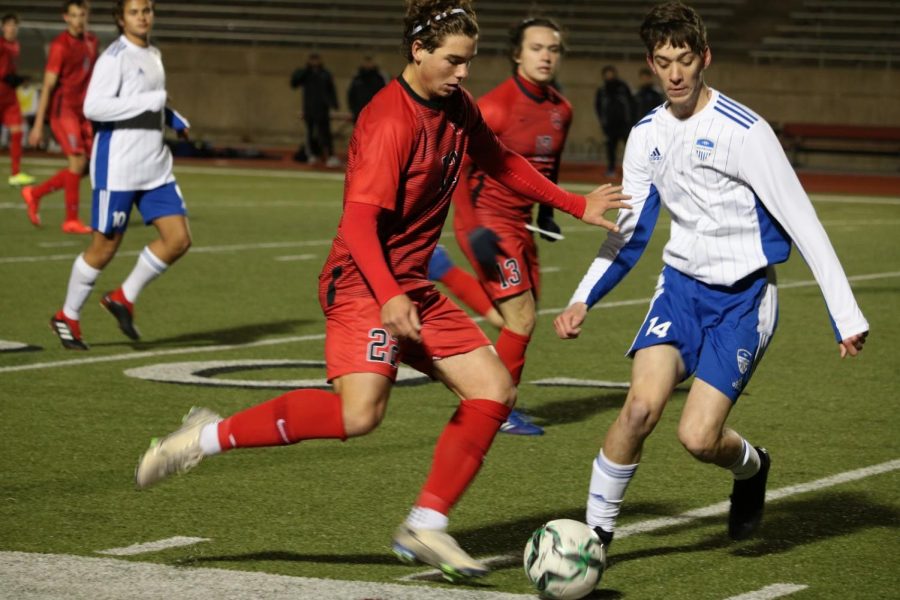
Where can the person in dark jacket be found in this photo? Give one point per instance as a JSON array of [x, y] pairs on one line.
[[365, 84], [647, 97], [616, 111], [319, 98]]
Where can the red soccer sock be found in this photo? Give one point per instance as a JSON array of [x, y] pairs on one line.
[[460, 452], [15, 151], [468, 289], [73, 183], [511, 349], [287, 419], [58, 181]]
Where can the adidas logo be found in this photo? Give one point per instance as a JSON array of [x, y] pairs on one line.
[[63, 331], [655, 156]]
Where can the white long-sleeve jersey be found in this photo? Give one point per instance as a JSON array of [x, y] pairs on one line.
[[126, 99], [735, 203]]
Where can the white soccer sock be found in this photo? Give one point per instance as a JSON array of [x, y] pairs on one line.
[[748, 464], [147, 268], [209, 439], [426, 518], [81, 282], [608, 483]]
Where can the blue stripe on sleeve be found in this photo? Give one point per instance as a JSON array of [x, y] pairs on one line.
[[741, 122], [630, 252], [738, 108]]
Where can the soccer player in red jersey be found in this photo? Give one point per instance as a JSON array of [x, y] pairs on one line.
[[10, 113], [532, 118], [380, 307], [67, 74]]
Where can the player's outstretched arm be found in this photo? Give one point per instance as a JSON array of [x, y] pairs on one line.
[[568, 322], [604, 198], [853, 345]]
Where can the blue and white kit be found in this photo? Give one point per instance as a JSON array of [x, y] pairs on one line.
[[130, 163], [735, 205]]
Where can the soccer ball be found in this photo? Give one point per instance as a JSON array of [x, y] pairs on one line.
[[564, 559]]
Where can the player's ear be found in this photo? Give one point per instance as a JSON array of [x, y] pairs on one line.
[[706, 56], [417, 50]]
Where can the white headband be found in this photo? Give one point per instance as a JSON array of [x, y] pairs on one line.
[[436, 18]]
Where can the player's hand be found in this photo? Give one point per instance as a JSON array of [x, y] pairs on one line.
[[401, 319], [35, 135], [183, 134], [485, 246], [604, 198], [546, 222], [568, 322], [853, 345]]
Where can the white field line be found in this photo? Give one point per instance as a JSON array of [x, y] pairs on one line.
[[32, 576], [293, 257], [172, 542], [194, 250], [155, 353], [776, 590], [293, 339], [720, 508]]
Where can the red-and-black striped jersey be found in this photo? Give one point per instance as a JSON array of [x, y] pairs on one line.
[[72, 59], [530, 120], [404, 157]]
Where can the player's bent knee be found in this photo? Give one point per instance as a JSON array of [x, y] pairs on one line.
[[640, 416], [360, 420], [702, 446]]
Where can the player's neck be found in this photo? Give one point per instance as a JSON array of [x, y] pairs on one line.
[[411, 77], [535, 87], [75, 34], [142, 42], [694, 106]]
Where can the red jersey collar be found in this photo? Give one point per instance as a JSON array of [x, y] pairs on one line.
[[536, 92], [432, 104]]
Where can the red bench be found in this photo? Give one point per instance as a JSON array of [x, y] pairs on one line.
[[865, 140]]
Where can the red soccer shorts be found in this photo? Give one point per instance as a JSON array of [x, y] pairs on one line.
[[357, 342], [10, 113], [73, 132], [517, 268]]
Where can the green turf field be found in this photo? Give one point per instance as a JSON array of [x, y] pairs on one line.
[[73, 424]]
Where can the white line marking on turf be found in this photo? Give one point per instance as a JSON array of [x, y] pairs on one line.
[[292, 257], [172, 542], [288, 340], [776, 590], [720, 508], [31, 576], [153, 353], [572, 382]]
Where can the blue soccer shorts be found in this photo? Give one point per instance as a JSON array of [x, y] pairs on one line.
[[721, 332], [112, 210]]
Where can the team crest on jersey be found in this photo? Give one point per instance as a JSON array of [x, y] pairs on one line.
[[543, 145], [556, 120], [744, 360], [703, 148]]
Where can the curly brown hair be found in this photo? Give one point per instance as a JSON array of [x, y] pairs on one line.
[[676, 24], [430, 21]]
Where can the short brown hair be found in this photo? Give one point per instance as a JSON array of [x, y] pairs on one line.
[[676, 24], [79, 3], [517, 34], [10, 17], [430, 21]]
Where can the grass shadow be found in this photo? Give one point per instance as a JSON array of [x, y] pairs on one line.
[[242, 334]]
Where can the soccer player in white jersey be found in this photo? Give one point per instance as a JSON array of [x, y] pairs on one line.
[[736, 205], [130, 166]]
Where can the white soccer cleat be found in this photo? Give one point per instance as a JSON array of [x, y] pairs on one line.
[[178, 452], [438, 549]]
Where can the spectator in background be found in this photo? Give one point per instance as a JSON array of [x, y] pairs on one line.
[[366, 83], [616, 111], [319, 98], [647, 97], [10, 113]]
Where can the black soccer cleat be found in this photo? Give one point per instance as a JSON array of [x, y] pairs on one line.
[[68, 332], [116, 304], [605, 536], [748, 498]]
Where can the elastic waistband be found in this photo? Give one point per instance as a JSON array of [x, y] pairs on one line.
[[151, 119]]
